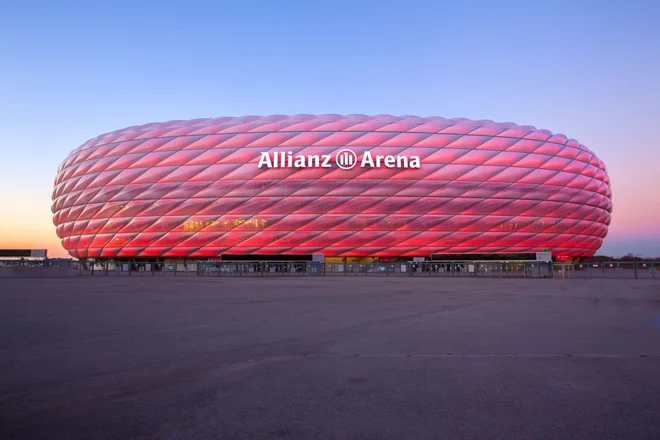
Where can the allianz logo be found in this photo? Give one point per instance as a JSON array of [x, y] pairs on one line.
[[344, 159]]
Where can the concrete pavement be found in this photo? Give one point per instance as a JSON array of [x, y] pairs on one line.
[[327, 358]]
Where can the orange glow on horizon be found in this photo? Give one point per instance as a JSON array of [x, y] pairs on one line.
[[34, 239], [27, 223]]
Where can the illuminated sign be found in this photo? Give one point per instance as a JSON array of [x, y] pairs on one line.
[[344, 159]]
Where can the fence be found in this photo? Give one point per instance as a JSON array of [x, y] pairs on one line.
[[491, 269], [260, 268], [618, 269], [460, 269], [40, 262], [38, 268], [143, 268]]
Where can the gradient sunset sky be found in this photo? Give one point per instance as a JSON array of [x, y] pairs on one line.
[[74, 69]]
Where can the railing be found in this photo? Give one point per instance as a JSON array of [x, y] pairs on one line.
[[142, 268], [491, 269], [618, 269], [210, 268], [38, 268], [456, 269], [40, 262], [260, 268]]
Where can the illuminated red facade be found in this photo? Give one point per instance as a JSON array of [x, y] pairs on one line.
[[195, 189]]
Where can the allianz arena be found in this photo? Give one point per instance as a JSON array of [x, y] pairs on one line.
[[340, 186]]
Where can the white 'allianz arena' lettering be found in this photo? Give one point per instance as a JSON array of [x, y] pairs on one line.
[[389, 161], [289, 160]]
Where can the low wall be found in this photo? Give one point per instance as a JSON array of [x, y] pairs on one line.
[[37, 272]]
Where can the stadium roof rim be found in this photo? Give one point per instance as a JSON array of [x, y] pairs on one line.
[[274, 118]]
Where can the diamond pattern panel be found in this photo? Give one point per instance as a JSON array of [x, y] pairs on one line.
[[193, 189]]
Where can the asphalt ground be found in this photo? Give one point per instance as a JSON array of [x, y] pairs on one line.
[[169, 358]]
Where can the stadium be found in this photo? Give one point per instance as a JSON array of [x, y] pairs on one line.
[[352, 186]]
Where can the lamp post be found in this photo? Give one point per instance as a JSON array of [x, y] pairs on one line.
[[635, 263]]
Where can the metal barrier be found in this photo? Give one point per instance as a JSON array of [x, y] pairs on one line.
[[619, 269], [456, 269], [367, 269], [259, 268], [40, 262], [492, 269], [131, 269]]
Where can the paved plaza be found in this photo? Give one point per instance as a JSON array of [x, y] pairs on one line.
[[165, 358]]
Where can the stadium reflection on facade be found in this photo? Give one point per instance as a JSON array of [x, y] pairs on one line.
[[339, 186]]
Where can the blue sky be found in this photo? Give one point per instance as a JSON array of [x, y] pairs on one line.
[[74, 69]]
